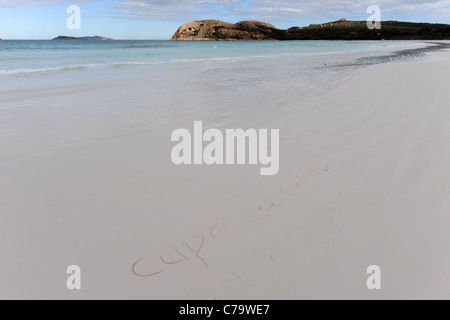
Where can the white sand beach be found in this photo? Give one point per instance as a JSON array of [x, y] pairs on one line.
[[364, 180]]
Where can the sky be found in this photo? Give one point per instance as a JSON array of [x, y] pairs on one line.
[[159, 19]]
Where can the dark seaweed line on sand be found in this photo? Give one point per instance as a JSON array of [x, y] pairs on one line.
[[398, 56]]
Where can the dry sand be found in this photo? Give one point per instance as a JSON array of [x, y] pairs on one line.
[[364, 180]]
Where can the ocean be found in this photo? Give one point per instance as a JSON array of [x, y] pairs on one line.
[[223, 68], [34, 57]]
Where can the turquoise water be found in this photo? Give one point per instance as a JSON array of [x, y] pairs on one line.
[[33, 57]]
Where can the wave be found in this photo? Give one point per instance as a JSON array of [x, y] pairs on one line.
[[117, 65]]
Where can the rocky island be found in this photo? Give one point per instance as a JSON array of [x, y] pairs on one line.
[[215, 30], [95, 38]]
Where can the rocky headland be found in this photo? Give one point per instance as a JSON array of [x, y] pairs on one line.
[[216, 30]]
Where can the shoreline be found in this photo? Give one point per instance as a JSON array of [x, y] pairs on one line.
[[75, 81]]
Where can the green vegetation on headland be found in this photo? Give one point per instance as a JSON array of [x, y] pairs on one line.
[[96, 38], [338, 30]]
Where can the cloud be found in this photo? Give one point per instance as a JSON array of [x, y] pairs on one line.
[[269, 9], [343, 8], [36, 3], [174, 9]]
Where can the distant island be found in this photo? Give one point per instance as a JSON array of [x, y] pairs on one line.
[[95, 38], [215, 30]]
